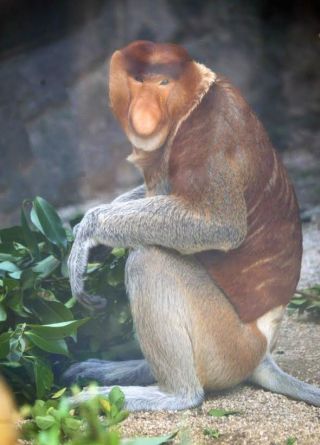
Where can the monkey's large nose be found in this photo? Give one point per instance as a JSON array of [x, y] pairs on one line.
[[145, 117]]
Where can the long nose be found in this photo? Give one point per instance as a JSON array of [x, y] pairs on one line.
[[145, 115]]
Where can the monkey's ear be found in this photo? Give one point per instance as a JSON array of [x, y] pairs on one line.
[[119, 94]]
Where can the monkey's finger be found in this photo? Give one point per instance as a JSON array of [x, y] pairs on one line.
[[75, 229], [92, 301]]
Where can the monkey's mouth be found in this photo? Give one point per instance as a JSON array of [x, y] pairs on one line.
[[151, 142]]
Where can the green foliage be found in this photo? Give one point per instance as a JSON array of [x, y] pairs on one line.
[[307, 301], [42, 328], [220, 412], [55, 422], [212, 433], [291, 441]]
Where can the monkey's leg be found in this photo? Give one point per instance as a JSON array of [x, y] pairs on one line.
[[130, 372], [188, 331], [162, 321]]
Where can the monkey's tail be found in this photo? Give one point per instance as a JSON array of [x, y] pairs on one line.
[[271, 377]]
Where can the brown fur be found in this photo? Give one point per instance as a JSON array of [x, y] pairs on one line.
[[220, 133]]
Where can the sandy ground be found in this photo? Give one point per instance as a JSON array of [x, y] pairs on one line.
[[265, 418]]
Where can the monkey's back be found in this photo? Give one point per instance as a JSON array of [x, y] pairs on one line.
[[264, 271], [223, 131]]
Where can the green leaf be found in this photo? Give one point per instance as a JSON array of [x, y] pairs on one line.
[[51, 312], [16, 275], [116, 397], [28, 279], [149, 440], [220, 412], [39, 408], [55, 346], [43, 376], [4, 344], [46, 266], [45, 422], [48, 222], [120, 417], [12, 234], [118, 252], [291, 440], [29, 235], [71, 425], [6, 256], [3, 313], [59, 393], [8, 266], [58, 330], [214, 434], [298, 301]]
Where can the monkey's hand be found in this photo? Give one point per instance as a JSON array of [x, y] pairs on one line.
[[77, 265], [84, 241]]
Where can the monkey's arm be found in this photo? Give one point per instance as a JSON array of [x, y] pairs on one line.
[[163, 220], [136, 193]]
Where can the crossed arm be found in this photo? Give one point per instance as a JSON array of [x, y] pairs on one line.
[[165, 220]]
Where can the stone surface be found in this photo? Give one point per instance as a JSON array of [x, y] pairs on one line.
[[58, 138]]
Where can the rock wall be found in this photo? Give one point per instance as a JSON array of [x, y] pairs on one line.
[[58, 138]]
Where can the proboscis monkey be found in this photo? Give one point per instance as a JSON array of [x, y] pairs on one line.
[[214, 236]]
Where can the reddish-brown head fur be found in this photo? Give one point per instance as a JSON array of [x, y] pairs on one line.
[[151, 85]]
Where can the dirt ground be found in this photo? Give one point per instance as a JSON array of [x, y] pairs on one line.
[[265, 418]]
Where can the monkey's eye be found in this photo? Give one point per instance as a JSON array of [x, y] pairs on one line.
[[138, 79], [164, 82]]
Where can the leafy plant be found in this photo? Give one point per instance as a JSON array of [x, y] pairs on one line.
[[307, 300], [220, 412], [55, 423], [212, 433], [40, 322], [291, 441]]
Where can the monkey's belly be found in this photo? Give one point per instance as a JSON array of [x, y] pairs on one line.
[[255, 280]]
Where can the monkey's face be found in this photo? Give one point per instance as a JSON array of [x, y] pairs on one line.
[[149, 110], [150, 86]]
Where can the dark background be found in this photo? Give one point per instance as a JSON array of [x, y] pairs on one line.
[[58, 139]]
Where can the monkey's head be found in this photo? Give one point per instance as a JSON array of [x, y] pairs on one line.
[[151, 85]]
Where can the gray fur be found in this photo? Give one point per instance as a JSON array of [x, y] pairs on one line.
[[150, 398], [136, 193], [152, 297], [271, 377], [163, 220], [131, 372]]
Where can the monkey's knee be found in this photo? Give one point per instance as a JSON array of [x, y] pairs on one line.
[[141, 258]]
